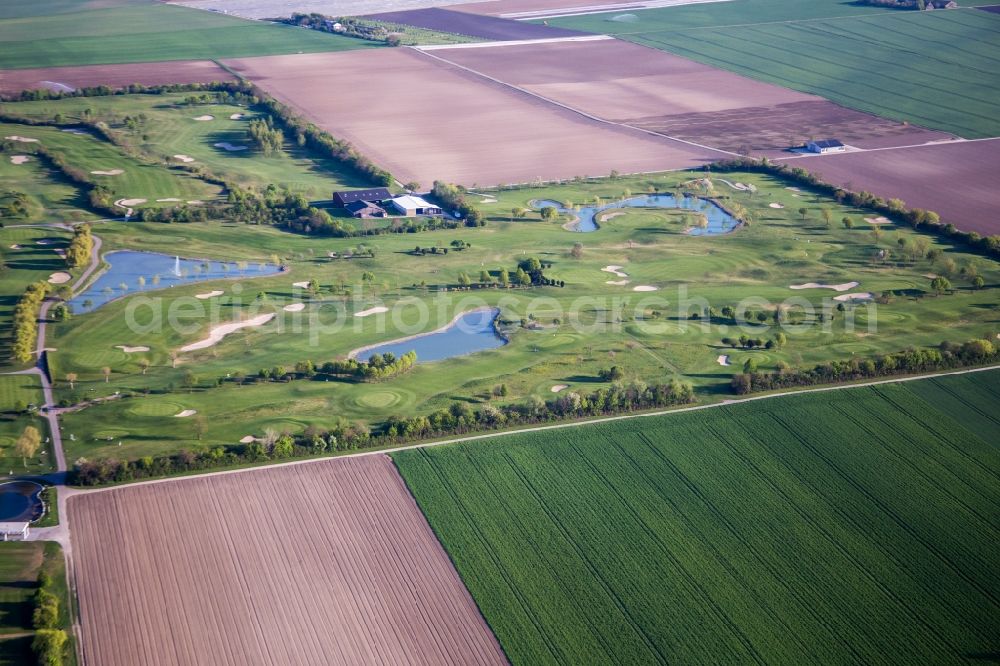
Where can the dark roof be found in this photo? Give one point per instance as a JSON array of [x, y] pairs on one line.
[[356, 206], [350, 196], [827, 143]]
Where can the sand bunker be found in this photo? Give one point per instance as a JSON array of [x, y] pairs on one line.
[[776, 205], [723, 360], [130, 202], [294, 307], [196, 202], [184, 158], [60, 278], [815, 285], [185, 413], [930, 276], [210, 294], [860, 296], [618, 283], [610, 216], [236, 116], [19, 159], [617, 270], [205, 117], [15, 246], [74, 130], [168, 200], [109, 172], [225, 145], [43, 241], [370, 311], [247, 439], [132, 350], [22, 139], [645, 287], [216, 334], [878, 220], [559, 387], [301, 285], [793, 189]]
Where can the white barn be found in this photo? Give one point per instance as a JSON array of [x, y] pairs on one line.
[[14, 531], [410, 206], [826, 146]]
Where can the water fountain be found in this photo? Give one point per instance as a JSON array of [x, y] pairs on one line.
[[177, 266]]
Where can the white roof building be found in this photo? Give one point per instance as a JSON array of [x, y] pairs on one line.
[[413, 205], [13, 531]]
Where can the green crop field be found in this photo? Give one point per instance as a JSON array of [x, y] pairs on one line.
[[864, 58], [80, 33], [858, 526]]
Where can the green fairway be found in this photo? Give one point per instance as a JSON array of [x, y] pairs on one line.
[[18, 392], [84, 33], [850, 527], [863, 58]]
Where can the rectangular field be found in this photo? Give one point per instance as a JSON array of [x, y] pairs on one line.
[[472, 25], [664, 93], [327, 563], [116, 76], [425, 119], [856, 526], [873, 63], [956, 180]]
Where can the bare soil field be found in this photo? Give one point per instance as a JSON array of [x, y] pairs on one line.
[[671, 95], [956, 180], [428, 120], [474, 25], [325, 563], [116, 76], [521, 7]]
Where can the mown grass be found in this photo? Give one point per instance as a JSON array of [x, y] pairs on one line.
[[856, 526], [147, 31], [21, 390]]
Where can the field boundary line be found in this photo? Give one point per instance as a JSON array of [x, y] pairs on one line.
[[513, 42]]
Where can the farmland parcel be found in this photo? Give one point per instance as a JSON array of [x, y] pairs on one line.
[[329, 563], [858, 525]]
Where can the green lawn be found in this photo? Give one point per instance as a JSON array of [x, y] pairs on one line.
[[850, 527], [20, 564], [85, 33], [864, 58], [21, 390]]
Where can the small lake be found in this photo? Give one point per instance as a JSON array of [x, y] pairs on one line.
[[130, 272], [471, 332], [20, 501], [719, 221]]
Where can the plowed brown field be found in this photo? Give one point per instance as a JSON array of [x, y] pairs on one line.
[[425, 120], [116, 76], [956, 180], [324, 563]]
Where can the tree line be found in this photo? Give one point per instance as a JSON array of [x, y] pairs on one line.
[[911, 361], [51, 641], [80, 247], [378, 367], [452, 198], [26, 321]]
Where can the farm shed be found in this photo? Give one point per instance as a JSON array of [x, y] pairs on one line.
[[13, 531], [364, 210], [410, 205], [376, 195], [826, 146]]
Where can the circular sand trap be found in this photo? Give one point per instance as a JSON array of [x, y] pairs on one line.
[[205, 117], [294, 307], [19, 159], [247, 439], [132, 350], [225, 145], [60, 278], [184, 158], [109, 172], [236, 116], [185, 413], [816, 285], [723, 360], [878, 220], [645, 287], [370, 311], [130, 202], [618, 283], [168, 200], [559, 387], [22, 139], [301, 285], [860, 296], [210, 294], [617, 270], [776, 205]]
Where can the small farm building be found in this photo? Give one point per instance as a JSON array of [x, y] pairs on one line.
[[826, 146], [13, 531], [376, 195], [410, 205], [364, 210]]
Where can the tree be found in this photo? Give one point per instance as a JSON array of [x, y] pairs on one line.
[[485, 277], [106, 371], [577, 251], [804, 212], [780, 340], [549, 213], [49, 646], [847, 222], [827, 216], [28, 443], [750, 366], [978, 282], [71, 378], [940, 285], [143, 365], [412, 186]]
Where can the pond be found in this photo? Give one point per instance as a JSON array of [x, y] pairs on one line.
[[20, 501], [129, 272], [719, 221], [470, 332]]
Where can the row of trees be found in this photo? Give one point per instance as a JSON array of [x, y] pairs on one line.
[[459, 418], [452, 198], [948, 355], [26, 321], [268, 138], [80, 247], [51, 641]]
